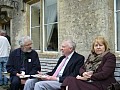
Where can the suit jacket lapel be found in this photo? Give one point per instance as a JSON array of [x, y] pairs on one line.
[[70, 62]]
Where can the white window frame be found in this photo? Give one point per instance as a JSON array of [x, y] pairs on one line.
[[43, 27], [31, 24], [115, 20]]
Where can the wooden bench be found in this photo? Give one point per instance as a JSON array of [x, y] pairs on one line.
[[47, 65], [117, 71]]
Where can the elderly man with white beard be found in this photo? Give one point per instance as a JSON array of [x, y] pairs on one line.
[[22, 61]]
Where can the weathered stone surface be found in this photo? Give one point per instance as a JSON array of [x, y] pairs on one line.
[[83, 20], [79, 20]]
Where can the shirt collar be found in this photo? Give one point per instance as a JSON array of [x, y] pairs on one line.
[[69, 56]]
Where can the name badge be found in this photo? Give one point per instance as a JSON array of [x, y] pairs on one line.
[[29, 60]]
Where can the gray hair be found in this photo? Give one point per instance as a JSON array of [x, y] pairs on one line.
[[71, 44], [23, 40]]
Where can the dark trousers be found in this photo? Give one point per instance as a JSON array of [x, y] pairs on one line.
[[15, 83]]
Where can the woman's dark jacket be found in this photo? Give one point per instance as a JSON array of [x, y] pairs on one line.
[[104, 75]]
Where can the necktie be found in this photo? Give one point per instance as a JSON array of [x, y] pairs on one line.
[[60, 67]]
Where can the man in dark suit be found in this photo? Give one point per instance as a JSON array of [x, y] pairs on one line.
[[54, 79]]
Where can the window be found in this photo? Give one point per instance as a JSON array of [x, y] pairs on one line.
[[50, 25], [117, 24], [44, 25], [35, 25]]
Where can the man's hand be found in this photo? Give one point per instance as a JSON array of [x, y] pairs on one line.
[[52, 78], [19, 75], [47, 77], [40, 73]]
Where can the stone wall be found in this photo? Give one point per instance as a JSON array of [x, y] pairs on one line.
[[83, 20], [80, 20], [0, 26], [18, 25]]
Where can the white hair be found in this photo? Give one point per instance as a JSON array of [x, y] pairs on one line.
[[71, 43], [23, 40]]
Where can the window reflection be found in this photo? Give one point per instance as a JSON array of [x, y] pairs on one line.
[[35, 25], [44, 38], [51, 28]]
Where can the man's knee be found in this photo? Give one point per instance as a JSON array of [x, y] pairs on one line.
[[15, 81], [30, 82], [37, 84]]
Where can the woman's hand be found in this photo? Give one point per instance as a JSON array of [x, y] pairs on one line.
[[80, 77], [88, 74]]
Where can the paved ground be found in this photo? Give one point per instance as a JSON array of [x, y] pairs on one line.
[[3, 87]]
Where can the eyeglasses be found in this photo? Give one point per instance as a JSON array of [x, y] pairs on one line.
[[28, 44]]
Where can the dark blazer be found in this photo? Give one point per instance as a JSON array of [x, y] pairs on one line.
[[72, 67], [14, 63]]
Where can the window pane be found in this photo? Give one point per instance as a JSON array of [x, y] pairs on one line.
[[51, 27], [118, 31], [118, 4], [35, 36], [50, 11], [51, 38], [35, 14], [35, 25]]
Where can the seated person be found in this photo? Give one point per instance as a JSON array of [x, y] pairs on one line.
[[68, 65], [23, 60], [98, 71]]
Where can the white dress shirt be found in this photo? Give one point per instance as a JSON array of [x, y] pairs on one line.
[[62, 70]]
